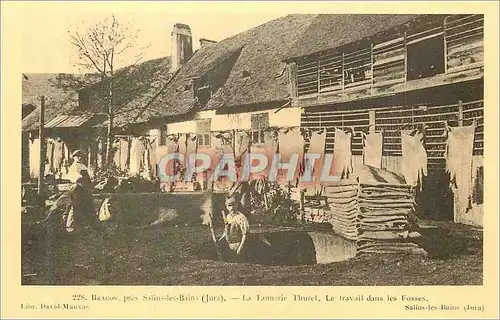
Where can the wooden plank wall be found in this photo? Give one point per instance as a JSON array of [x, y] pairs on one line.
[[378, 66], [356, 119], [464, 38], [307, 75], [392, 120], [389, 67], [330, 72]]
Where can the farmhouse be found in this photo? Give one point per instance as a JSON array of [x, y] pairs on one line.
[[390, 89]]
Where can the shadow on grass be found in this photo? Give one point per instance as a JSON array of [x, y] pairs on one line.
[[443, 242], [285, 248]]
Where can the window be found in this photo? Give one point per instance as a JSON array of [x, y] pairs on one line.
[[357, 67], [260, 122], [163, 136], [204, 131], [425, 58]]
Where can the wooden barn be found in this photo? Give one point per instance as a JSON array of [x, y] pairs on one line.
[[389, 73]]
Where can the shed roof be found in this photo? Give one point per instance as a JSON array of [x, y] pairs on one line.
[[134, 86], [68, 121], [58, 101]]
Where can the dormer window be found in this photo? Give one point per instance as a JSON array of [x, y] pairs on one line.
[[204, 94], [84, 100]]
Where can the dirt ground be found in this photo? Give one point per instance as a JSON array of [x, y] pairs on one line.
[[170, 256]]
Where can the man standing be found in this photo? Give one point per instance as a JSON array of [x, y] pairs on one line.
[[82, 211]]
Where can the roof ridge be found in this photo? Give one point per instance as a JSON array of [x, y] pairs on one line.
[[260, 26], [329, 31]]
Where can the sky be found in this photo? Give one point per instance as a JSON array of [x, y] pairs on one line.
[[45, 39], [40, 29]]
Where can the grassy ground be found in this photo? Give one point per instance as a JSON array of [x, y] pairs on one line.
[[169, 256]]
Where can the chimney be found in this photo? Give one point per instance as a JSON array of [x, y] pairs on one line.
[[206, 42], [182, 45]]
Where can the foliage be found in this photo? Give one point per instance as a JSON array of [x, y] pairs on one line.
[[108, 171], [100, 49], [110, 179], [102, 46], [276, 205]]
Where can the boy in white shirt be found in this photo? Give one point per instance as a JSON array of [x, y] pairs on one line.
[[236, 228]]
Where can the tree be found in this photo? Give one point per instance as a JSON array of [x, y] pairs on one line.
[[100, 49]]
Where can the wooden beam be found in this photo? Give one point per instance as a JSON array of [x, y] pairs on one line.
[[343, 73], [406, 59], [445, 48], [425, 38], [318, 77], [41, 168]]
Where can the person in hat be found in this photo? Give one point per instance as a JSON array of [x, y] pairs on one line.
[[78, 172], [236, 229], [82, 211]]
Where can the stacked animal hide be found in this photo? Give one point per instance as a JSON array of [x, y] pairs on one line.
[[343, 213], [384, 218], [375, 211]]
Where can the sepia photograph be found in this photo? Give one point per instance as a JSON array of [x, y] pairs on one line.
[[328, 149]]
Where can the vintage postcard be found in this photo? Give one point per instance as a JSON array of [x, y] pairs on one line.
[[250, 159]]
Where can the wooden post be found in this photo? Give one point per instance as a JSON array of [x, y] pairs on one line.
[[445, 47], [371, 116], [89, 153], [371, 66], [233, 142], [319, 75], [100, 148], [41, 168], [292, 75], [460, 113], [406, 60], [343, 73]]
